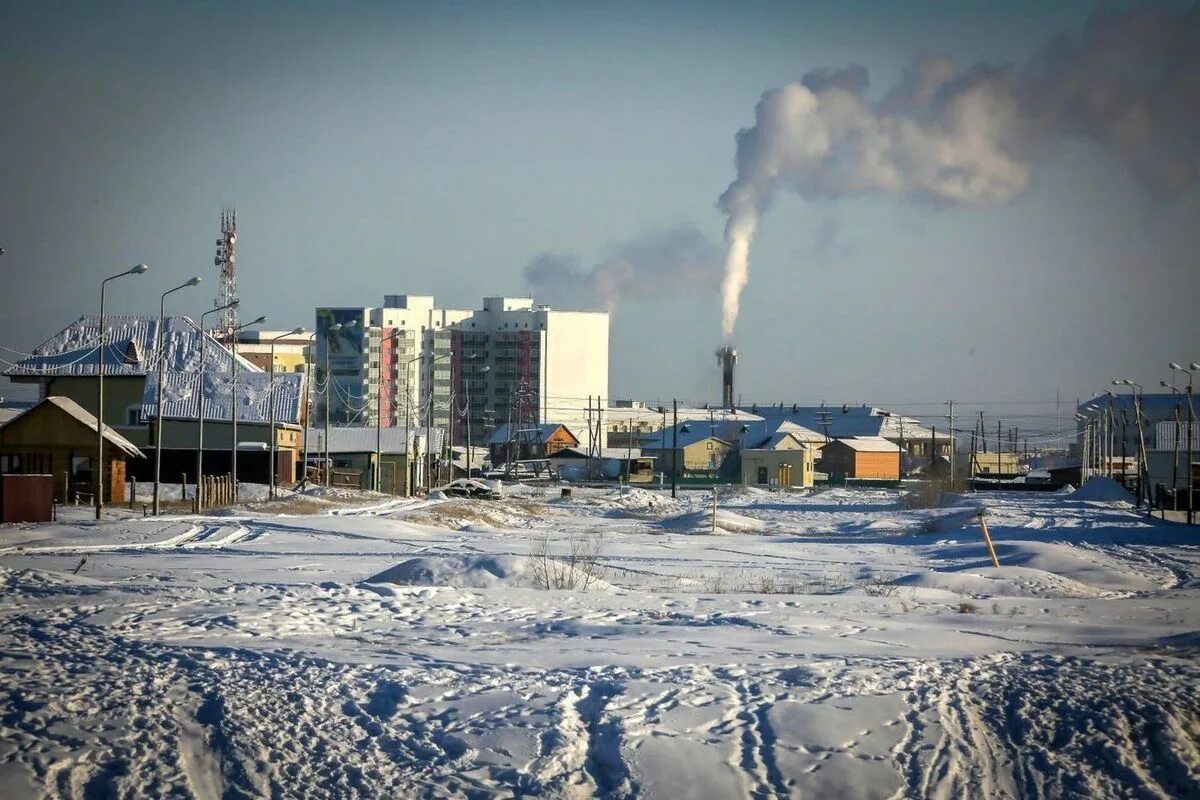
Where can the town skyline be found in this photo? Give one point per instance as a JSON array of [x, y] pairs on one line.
[[377, 151]]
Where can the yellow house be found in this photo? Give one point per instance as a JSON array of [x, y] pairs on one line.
[[783, 461]]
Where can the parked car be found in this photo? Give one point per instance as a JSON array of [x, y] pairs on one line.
[[471, 487]]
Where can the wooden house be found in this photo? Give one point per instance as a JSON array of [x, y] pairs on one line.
[[58, 437]]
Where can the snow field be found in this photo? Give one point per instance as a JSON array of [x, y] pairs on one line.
[[831, 647]]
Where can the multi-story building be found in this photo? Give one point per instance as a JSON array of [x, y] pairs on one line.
[[291, 350], [509, 361]]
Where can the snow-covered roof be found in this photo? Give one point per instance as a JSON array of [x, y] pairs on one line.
[[130, 349], [181, 396], [689, 433], [870, 444], [528, 434], [8, 414], [362, 440], [70, 407], [845, 420], [611, 453]]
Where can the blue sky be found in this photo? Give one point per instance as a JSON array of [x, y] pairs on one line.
[[374, 148]]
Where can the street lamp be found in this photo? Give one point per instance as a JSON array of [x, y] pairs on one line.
[[1193, 367], [484, 371], [408, 462], [429, 423], [312, 337], [137, 270], [1135, 390], [158, 395], [271, 403], [233, 414], [378, 482], [200, 408], [325, 468]]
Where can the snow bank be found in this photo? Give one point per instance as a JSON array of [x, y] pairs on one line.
[[1103, 490], [1006, 581], [953, 521], [485, 572], [468, 572], [701, 522]]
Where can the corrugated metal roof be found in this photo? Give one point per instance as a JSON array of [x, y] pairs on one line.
[[181, 398], [130, 349], [870, 444], [69, 406], [362, 440], [528, 434]]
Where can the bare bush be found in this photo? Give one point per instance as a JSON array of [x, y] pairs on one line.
[[577, 569], [881, 585], [968, 608]]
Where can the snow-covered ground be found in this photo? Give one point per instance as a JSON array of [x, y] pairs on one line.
[[833, 645]]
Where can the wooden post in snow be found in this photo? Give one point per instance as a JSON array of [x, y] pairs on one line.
[[714, 513], [987, 539]]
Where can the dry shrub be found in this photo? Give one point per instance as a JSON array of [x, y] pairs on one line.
[[576, 569]]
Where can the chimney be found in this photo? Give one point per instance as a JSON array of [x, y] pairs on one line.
[[727, 357]]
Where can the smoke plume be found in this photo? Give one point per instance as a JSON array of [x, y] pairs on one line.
[[648, 266], [973, 136]]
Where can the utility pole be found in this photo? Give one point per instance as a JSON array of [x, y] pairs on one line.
[[952, 443], [674, 447]]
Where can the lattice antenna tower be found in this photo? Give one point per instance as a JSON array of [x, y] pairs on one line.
[[227, 285]]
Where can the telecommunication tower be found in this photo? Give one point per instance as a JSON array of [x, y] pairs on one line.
[[227, 286]]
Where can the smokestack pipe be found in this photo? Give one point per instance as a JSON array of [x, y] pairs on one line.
[[727, 357]]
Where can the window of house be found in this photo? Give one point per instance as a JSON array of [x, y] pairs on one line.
[[133, 415], [762, 475]]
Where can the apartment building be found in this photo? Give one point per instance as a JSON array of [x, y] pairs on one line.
[[514, 361]]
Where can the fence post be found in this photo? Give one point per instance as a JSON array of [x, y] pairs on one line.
[[987, 539], [132, 491]]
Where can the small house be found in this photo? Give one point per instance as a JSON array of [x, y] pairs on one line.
[[58, 437], [862, 457], [528, 442], [782, 461]]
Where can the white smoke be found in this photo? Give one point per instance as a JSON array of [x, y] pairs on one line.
[[972, 137], [654, 264]]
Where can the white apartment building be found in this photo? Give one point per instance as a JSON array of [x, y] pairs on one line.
[[513, 360]]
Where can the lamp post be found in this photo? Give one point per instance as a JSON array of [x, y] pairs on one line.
[[378, 482], [408, 462], [305, 406], [137, 270], [484, 371], [1135, 389], [233, 414], [271, 401], [429, 424], [158, 394], [1192, 367], [326, 467], [200, 408]]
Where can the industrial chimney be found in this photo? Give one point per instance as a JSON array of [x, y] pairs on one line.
[[727, 357]]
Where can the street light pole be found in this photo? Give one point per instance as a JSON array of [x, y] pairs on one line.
[[429, 424], [99, 471], [378, 482], [305, 408], [408, 462], [271, 402], [1194, 367], [483, 371], [158, 393], [200, 409], [674, 447], [1135, 389], [233, 411]]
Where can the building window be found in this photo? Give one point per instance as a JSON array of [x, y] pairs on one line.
[[710, 445], [762, 475]]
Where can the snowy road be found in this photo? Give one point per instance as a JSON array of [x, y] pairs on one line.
[[829, 647]]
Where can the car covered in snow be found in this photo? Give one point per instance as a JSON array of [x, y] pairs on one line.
[[471, 487]]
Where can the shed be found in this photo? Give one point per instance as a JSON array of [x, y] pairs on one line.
[[862, 457], [528, 442], [58, 437]]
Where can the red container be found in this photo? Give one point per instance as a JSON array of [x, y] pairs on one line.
[[26, 498]]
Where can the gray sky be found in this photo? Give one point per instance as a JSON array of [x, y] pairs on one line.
[[374, 148]]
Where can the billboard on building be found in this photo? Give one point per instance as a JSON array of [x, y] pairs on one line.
[[344, 348]]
